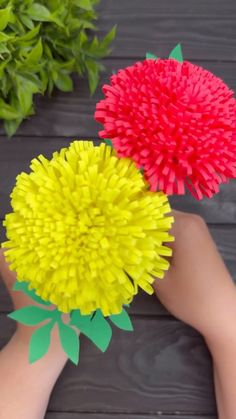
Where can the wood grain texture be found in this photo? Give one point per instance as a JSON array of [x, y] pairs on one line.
[[205, 29], [71, 114], [163, 366], [225, 238], [163, 369], [84, 415], [15, 156]]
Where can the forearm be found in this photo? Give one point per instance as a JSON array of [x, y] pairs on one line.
[[223, 353], [26, 388]]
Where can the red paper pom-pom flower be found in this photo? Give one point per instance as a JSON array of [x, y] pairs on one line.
[[177, 121]]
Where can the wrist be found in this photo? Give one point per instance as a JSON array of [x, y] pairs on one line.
[[222, 339], [55, 355]]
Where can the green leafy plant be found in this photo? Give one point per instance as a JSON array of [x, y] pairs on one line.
[[41, 43]]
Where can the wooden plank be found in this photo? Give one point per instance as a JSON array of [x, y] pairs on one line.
[[85, 415], [163, 366], [207, 30], [71, 114], [15, 156], [143, 303]]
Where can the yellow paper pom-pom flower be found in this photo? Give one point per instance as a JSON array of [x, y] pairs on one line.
[[85, 231]]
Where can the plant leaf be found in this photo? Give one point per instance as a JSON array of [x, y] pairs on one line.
[[122, 321], [29, 35], [93, 75], [40, 342], [48, 40], [108, 39], [25, 90], [35, 54], [7, 111], [64, 82], [84, 4], [39, 13], [12, 126], [5, 38], [69, 342], [23, 287], [26, 21], [31, 315], [176, 53], [5, 15]]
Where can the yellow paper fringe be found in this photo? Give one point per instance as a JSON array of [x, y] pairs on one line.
[[85, 232]]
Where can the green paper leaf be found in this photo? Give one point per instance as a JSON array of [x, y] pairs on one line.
[[69, 342], [176, 53], [149, 55], [108, 142], [99, 332], [79, 320], [23, 287], [31, 315], [96, 328], [122, 321], [40, 342]]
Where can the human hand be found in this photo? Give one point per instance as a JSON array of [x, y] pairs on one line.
[[20, 300], [198, 289], [9, 277], [21, 381]]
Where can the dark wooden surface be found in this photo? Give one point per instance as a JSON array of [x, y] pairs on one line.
[[162, 369]]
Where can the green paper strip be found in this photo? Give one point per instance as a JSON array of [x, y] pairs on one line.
[[24, 287], [177, 54], [40, 342], [151, 56], [69, 342], [31, 315], [122, 321]]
